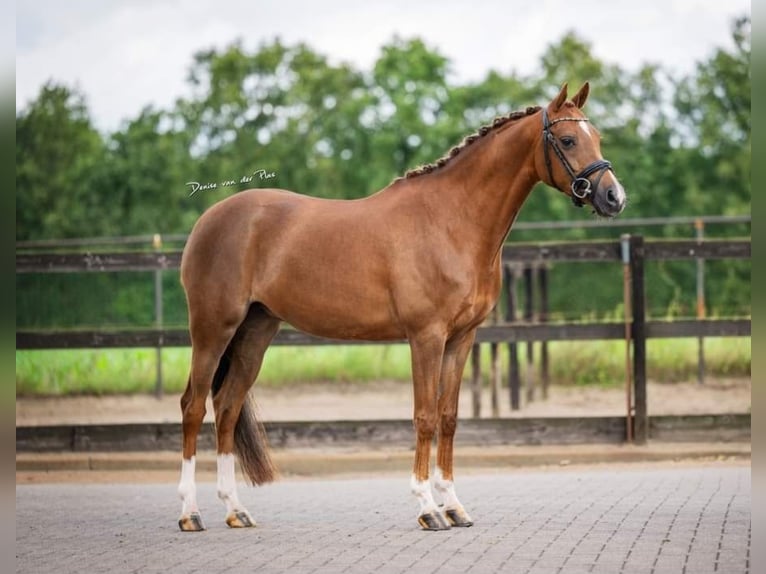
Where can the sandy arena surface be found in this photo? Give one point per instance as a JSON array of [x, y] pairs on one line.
[[390, 400]]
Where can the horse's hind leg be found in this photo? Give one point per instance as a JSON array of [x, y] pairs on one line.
[[245, 356], [209, 341]]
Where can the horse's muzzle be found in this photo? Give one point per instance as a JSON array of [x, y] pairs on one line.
[[609, 197]]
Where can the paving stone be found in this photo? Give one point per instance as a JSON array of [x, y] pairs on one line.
[[625, 521]]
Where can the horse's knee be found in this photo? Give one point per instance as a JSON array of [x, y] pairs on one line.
[[425, 425], [448, 425]]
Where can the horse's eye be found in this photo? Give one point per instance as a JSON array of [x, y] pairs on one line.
[[568, 142]]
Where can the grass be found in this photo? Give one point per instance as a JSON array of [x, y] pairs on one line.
[[668, 360], [120, 371], [116, 371]]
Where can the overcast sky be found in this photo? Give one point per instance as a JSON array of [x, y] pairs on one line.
[[125, 55]]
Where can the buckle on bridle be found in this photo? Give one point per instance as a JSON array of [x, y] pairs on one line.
[[581, 187]]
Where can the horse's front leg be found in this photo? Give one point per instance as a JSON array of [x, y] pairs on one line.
[[427, 352], [455, 356]]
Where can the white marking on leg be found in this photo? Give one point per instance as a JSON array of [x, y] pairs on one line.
[[446, 490], [187, 489], [227, 484], [422, 491]]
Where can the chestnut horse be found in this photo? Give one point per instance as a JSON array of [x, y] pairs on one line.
[[419, 260]]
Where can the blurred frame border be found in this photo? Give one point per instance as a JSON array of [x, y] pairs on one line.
[[758, 283], [8, 230]]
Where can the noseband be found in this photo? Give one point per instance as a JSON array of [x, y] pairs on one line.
[[581, 185]]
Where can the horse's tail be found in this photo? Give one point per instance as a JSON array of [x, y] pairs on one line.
[[250, 441]]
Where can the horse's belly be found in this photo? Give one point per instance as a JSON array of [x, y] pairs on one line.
[[336, 313], [352, 330], [343, 326]]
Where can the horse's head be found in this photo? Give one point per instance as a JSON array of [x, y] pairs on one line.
[[570, 156]]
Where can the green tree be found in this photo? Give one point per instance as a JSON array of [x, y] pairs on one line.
[[283, 109], [408, 83], [145, 173], [714, 135], [714, 110], [57, 151]]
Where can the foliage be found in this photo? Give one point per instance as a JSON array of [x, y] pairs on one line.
[[681, 145], [57, 154]]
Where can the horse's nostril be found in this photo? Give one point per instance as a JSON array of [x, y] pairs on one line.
[[611, 197]]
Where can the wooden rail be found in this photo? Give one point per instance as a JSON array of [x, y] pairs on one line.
[[511, 333], [513, 253], [500, 333], [384, 433]]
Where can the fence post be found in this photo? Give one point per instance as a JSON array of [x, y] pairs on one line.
[[626, 301], [641, 420], [495, 379], [514, 381], [476, 379], [158, 312], [529, 372], [699, 226], [542, 284]]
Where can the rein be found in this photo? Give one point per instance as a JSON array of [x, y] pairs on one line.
[[581, 185]]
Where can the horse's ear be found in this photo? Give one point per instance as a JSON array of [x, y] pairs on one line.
[[581, 97], [559, 100]]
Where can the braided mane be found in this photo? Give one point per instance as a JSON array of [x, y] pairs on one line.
[[468, 140]]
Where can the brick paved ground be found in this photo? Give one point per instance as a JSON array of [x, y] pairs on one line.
[[601, 520]]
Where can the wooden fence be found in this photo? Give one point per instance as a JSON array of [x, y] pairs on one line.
[[631, 251]]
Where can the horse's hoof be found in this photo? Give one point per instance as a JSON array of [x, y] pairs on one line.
[[191, 523], [240, 519], [458, 517], [433, 521]]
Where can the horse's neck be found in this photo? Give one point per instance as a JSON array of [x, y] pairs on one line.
[[482, 189]]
